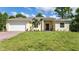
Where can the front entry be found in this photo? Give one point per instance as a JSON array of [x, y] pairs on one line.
[[47, 27]]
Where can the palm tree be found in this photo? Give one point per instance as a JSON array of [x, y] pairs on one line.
[[40, 15], [35, 22]]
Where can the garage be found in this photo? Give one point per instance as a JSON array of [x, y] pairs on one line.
[[17, 26]]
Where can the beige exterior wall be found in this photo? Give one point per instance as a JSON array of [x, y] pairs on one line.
[[7, 27], [57, 26], [52, 24], [43, 25], [28, 26]]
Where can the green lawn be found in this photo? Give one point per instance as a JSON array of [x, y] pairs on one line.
[[42, 41]]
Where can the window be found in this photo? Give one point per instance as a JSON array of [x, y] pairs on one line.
[[61, 25]]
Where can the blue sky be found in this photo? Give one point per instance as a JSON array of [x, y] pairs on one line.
[[30, 11]]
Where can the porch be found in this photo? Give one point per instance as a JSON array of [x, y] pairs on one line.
[[49, 25]]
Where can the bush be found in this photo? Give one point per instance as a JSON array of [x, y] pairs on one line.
[[1, 27], [74, 26]]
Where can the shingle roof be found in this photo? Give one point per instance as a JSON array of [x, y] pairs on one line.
[[20, 18], [63, 19], [44, 18]]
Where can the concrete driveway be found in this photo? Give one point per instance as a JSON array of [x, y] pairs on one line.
[[7, 35]]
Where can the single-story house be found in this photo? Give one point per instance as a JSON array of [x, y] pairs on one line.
[[47, 24]]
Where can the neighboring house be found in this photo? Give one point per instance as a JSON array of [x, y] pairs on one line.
[[47, 24]]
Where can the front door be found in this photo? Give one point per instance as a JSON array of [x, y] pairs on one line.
[[47, 27]]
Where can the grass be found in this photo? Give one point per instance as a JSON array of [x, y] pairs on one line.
[[42, 41]]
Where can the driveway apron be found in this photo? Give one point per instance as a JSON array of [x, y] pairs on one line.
[[7, 35]]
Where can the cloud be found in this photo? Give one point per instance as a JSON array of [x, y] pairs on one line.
[[54, 16], [29, 8], [13, 13], [33, 15], [27, 15], [73, 10], [51, 16], [3, 12], [44, 15], [46, 9]]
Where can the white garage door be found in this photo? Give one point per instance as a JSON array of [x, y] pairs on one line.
[[17, 26]]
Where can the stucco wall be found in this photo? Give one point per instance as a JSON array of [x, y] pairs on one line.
[[42, 25], [14, 22], [28, 26], [7, 26], [58, 28]]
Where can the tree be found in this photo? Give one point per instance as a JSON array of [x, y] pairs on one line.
[[10, 17], [20, 15], [40, 21], [74, 26], [35, 22], [64, 12], [39, 15], [3, 20]]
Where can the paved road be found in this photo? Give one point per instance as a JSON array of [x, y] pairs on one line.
[[7, 35]]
